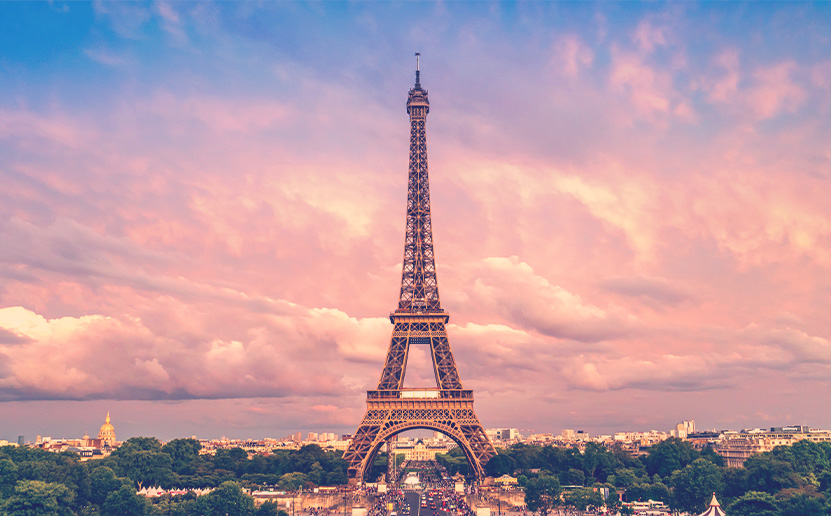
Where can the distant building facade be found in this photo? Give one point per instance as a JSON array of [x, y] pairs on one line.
[[737, 447]]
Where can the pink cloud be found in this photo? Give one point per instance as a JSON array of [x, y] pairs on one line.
[[31, 128], [571, 54], [821, 75], [724, 89], [775, 91], [648, 36]]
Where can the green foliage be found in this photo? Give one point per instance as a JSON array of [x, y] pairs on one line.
[[693, 484], [754, 503], [36, 498], [624, 477], [125, 502], [735, 482], [710, 454], [227, 499], [103, 482], [769, 473], [542, 494], [824, 481], [455, 462], [573, 477], [598, 463], [670, 455], [802, 505], [270, 509], [292, 481], [583, 499], [184, 454], [527, 457], [231, 459], [8, 477], [108, 486], [142, 460], [501, 464]]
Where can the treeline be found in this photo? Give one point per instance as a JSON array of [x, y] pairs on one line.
[[34, 482], [788, 481]]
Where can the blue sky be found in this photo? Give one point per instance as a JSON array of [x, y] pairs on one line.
[[202, 211]]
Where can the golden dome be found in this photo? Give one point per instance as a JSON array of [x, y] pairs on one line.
[[107, 432]]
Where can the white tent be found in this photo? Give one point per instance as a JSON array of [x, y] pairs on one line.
[[714, 509]]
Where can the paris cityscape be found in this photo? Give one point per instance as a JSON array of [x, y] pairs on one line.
[[203, 206]]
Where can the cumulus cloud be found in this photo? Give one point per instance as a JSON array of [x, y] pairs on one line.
[[510, 287], [94, 356]]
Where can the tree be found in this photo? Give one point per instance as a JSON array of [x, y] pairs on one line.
[[824, 480], [526, 457], [142, 460], [735, 482], [624, 477], [710, 454], [583, 499], [270, 509], [37, 498], [500, 465], [766, 472], [573, 477], [693, 486], [669, 455], [542, 494], [292, 481], [8, 478], [184, 454], [125, 502], [336, 478], [231, 459], [754, 503], [802, 505], [597, 462], [660, 493], [226, 500], [135, 444], [103, 482]]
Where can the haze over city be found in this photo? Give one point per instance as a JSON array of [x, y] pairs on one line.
[[202, 212]]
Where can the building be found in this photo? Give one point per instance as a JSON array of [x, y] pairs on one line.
[[684, 428], [107, 433], [737, 447]]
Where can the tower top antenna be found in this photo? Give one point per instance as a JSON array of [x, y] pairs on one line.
[[418, 70]]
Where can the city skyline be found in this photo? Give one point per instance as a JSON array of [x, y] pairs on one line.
[[202, 209]]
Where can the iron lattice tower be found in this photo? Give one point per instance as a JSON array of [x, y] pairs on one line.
[[420, 320]]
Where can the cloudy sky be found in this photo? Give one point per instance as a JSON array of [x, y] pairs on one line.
[[202, 212]]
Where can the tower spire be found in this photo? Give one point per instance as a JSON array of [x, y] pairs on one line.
[[419, 288]]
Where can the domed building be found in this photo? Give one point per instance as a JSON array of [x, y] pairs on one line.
[[107, 433]]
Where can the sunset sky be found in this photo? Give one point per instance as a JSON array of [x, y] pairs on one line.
[[202, 212]]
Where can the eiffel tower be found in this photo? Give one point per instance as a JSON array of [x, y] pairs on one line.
[[418, 320]]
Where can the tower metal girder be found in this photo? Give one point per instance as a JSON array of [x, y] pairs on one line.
[[418, 320]]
